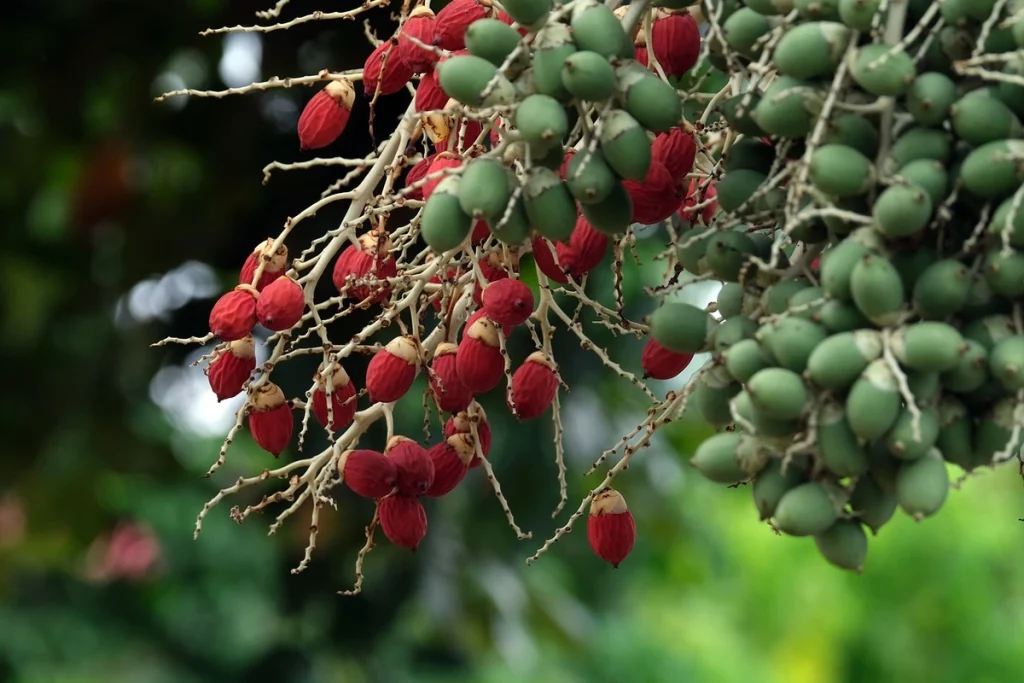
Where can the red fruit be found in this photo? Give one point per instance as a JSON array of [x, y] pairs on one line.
[[694, 196], [234, 314], [453, 292], [451, 463], [392, 370], [610, 527], [458, 431], [281, 304], [508, 301], [677, 150], [231, 367], [450, 394], [452, 21], [386, 69], [641, 55], [585, 250], [441, 162], [429, 96], [415, 175], [480, 233], [419, 25], [368, 473], [533, 386], [343, 398], [564, 168], [816, 264], [493, 268], [403, 520], [369, 260], [660, 363], [545, 260], [274, 269], [270, 419], [479, 361], [463, 132], [657, 197], [326, 114], [413, 467], [675, 41]]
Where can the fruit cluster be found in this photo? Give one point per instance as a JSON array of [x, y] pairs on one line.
[[869, 330]]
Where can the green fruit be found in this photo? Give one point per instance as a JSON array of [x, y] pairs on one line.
[[648, 99], [954, 12], [1004, 272], [541, 120], [768, 7], [727, 252], [873, 505], [791, 340], [711, 396], [549, 205], [853, 131], [552, 46], [776, 298], [740, 115], [873, 404], [858, 14], [805, 302], [1008, 218], [588, 76], [743, 29], [734, 300], [922, 485], [466, 77], [970, 372], [942, 289], [839, 360], [752, 154], [928, 346], [840, 316], [716, 458], [812, 49], [930, 97], [527, 13], [613, 215], [771, 484], [845, 545], [805, 510], [1007, 362], [733, 330], [995, 169], [762, 424], [484, 191], [737, 187], [956, 433], [930, 175], [902, 211], [693, 246], [919, 143], [837, 264], [993, 434], [978, 117], [981, 301], [910, 264], [492, 40], [597, 29], [877, 289], [745, 358], [882, 466], [778, 393], [589, 177], [990, 330], [838, 448], [789, 107], [818, 9], [906, 443], [881, 71], [511, 229], [841, 171], [625, 146], [682, 328], [444, 225], [926, 387]]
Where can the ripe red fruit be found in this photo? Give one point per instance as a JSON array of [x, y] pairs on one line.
[[676, 150], [416, 174], [369, 260], [413, 467], [392, 370], [545, 260], [657, 197], [451, 460], [442, 161], [675, 41], [458, 430], [508, 301], [403, 520], [326, 115], [660, 363], [450, 394], [231, 367], [281, 304], [479, 361], [270, 419], [368, 473], [385, 69], [274, 269], [585, 250], [533, 386], [610, 527], [640, 52], [694, 196], [429, 96], [493, 267], [234, 314], [343, 398], [452, 21], [419, 25]]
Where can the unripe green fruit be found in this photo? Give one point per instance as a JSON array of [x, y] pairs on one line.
[[541, 120], [778, 393], [744, 358], [841, 171], [805, 510], [712, 393], [776, 298], [727, 252], [693, 246], [902, 211], [737, 187], [920, 143], [926, 387], [1006, 218], [882, 466], [789, 107], [1004, 272], [910, 264], [882, 71], [877, 289], [858, 14], [837, 264], [751, 154], [772, 484], [942, 289], [763, 425], [930, 175], [512, 229], [612, 215], [648, 99], [844, 544], [743, 29], [1007, 362], [552, 46], [791, 340], [625, 146], [970, 372], [838, 448], [597, 29], [930, 97], [466, 77], [826, 10], [549, 205], [994, 433], [806, 302], [739, 115], [906, 444], [956, 433], [491, 39], [812, 49], [484, 191], [443, 224], [873, 404], [853, 130], [978, 117], [768, 7], [528, 13], [589, 177], [716, 458], [588, 76], [990, 330], [733, 330], [680, 327], [995, 169], [839, 360], [873, 505], [922, 485], [928, 346]]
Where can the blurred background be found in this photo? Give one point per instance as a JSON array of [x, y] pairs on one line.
[[124, 219]]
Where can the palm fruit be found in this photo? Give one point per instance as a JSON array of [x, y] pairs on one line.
[[979, 117], [552, 46], [812, 49], [542, 122], [1004, 272], [769, 7], [712, 393], [624, 145], [853, 131], [660, 363], [744, 358], [995, 169], [902, 211], [908, 441], [928, 346], [778, 393], [930, 175], [597, 29], [529, 14], [1009, 219], [443, 224], [611, 530], [612, 215], [837, 265], [491, 39], [466, 77], [872, 504], [993, 435], [990, 330], [772, 483], [743, 29], [844, 544], [512, 227], [858, 14], [873, 404], [919, 143], [648, 99], [727, 252], [790, 341], [877, 289], [841, 171], [588, 76], [1006, 362], [589, 177], [882, 69], [839, 360], [806, 510], [549, 204], [736, 188], [777, 298], [942, 289], [789, 107], [738, 112], [838, 449], [731, 331], [749, 153], [763, 426], [922, 485], [717, 458], [680, 327], [970, 372], [817, 9], [930, 97], [733, 299]]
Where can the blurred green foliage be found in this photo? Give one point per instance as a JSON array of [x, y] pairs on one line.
[[106, 195]]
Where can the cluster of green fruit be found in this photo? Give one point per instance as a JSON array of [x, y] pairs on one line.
[[567, 65], [844, 385]]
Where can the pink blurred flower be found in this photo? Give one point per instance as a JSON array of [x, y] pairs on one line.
[[12, 521], [131, 552]]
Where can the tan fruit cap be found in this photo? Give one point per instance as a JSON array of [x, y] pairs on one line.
[[542, 358], [445, 349], [394, 442], [405, 348], [421, 11], [268, 397], [436, 127], [374, 240], [342, 92], [608, 502], [620, 12], [484, 330], [339, 377], [243, 348], [277, 259], [464, 446]]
